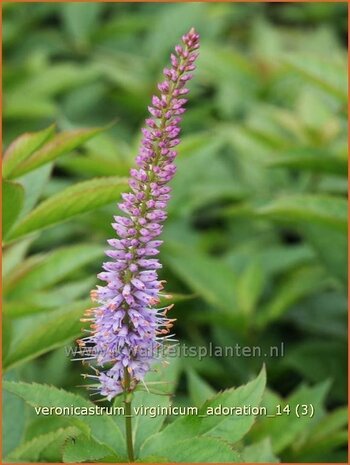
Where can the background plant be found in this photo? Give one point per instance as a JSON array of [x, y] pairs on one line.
[[256, 238]]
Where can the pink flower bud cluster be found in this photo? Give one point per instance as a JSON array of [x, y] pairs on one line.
[[127, 327]]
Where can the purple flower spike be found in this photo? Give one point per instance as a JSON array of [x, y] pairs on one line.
[[127, 330]]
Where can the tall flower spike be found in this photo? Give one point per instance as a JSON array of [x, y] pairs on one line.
[[127, 330]]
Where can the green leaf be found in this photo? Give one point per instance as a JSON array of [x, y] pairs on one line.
[[201, 450], [233, 429], [285, 430], [12, 201], [46, 83], [320, 359], [41, 333], [19, 107], [80, 198], [161, 384], [210, 278], [34, 183], [146, 424], [15, 309], [323, 240], [42, 424], [7, 326], [34, 450], [14, 254], [228, 427], [329, 434], [102, 428], [41, 301], [279, 259], [92, 164], [165, 374], [41, 271], [57, 146], [84, 449], [22, 147], [323, 314], [250, 285], [152, 459], [80, 20], [195, 188], [170, 25], [13, 418], [331, 423], [199, 389], [331, 448], [260, 452], [307, 208], [311, 160], [163, 380], [295, 286], [328, 75]]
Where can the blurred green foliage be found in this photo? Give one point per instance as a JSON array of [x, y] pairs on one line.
[[255, 245]]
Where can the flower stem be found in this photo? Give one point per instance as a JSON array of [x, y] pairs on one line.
[[128, 417]]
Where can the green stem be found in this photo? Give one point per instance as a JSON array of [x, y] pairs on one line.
[[128, 429], [128, 417]]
